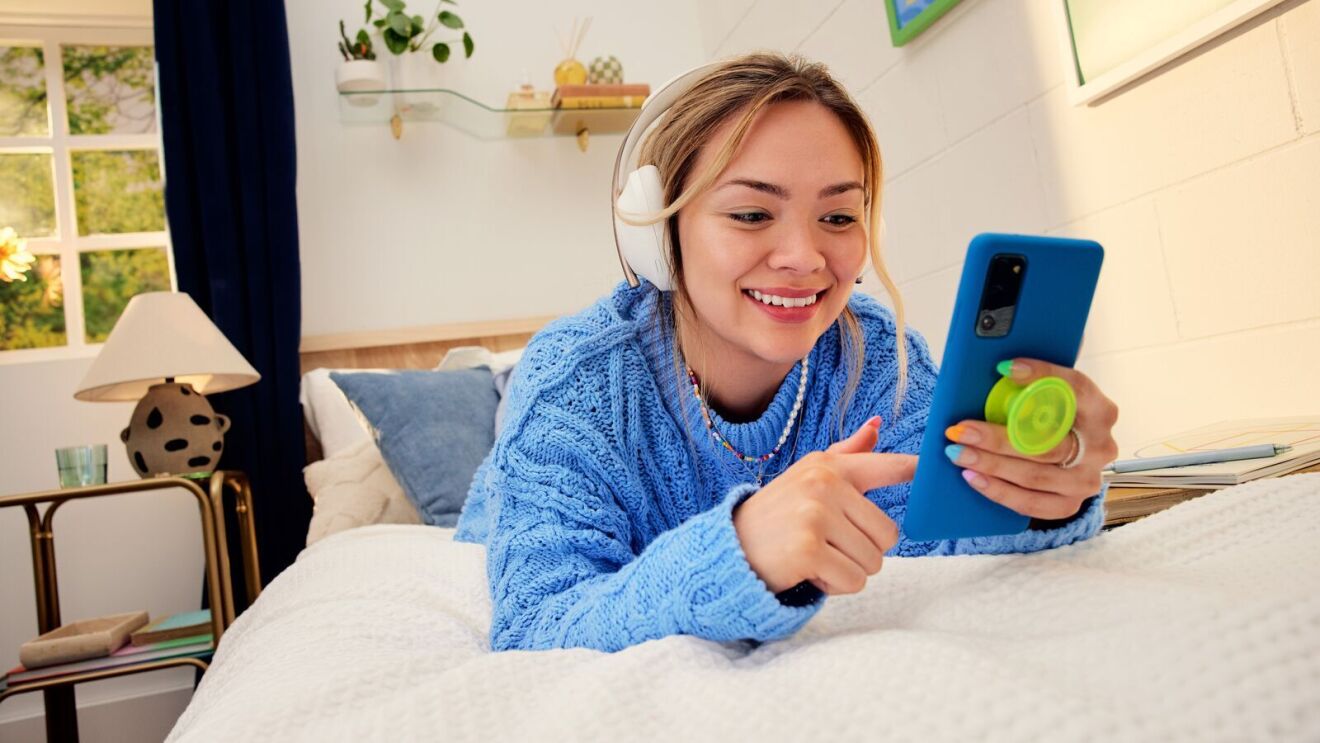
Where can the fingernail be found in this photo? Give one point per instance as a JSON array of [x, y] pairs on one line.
[[874, 421], [973, 479], [1017, 370], [962, 434], [954, 451]]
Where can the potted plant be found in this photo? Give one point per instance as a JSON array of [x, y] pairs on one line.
[[412, 39], [404, 33], [360, 70]]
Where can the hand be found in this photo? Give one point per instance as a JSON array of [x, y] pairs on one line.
[[815, 523], [1035, 485]]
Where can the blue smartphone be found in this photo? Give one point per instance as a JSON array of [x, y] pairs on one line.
[[1019, 296]]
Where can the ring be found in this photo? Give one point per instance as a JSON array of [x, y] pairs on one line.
[[1077, 454]]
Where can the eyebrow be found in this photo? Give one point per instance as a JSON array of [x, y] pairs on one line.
[[781, 192]]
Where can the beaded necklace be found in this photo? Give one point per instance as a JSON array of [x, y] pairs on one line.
[[783, 437]]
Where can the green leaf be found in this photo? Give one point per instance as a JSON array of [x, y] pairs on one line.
[[419, 24], [367, 9], [363, 39], [344, 34], [401, 24], [395, 42], [394, 6], [467, 45], [450, 20], [440, 52], [378, 23]]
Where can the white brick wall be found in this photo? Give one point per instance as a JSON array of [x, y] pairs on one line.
[[1202, 181]]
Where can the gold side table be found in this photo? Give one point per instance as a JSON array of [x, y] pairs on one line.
[[59, 696]]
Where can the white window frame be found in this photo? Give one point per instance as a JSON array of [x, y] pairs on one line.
[[1153, 57], [68, 244]]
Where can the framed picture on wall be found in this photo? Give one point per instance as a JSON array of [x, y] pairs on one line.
[[908, 18], [1110, 43]]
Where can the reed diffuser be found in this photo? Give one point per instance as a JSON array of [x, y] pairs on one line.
[[570, 71]]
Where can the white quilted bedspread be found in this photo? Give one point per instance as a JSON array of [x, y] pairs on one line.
[[1200, 623]]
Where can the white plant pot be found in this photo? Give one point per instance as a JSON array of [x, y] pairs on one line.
[[359, 75]]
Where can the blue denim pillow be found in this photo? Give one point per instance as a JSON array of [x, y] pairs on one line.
[[433, 428]]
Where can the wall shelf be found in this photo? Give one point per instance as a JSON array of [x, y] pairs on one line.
[[475, 118]]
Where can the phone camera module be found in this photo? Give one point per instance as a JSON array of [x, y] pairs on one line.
[[1000, 292]]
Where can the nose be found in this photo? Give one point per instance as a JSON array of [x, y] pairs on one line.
[[797, 250]]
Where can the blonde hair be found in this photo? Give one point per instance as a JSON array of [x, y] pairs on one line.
[[743, 86]]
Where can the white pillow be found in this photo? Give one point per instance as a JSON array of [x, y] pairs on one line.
[[467, 357], [355, 488], [333, 419]]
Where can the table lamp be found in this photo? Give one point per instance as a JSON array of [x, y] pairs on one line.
[[166, 353]]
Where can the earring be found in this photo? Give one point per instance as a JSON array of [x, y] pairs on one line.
[[858, 280]]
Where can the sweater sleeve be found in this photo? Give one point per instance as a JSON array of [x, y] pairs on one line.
[[904, 437], [562, 572]]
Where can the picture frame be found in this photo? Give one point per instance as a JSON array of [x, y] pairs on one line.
[[1210, 23], [909, 18]]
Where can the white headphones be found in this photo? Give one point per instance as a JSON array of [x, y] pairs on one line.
[[644, 250]]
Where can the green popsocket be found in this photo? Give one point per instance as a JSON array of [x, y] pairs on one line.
[[1037, 416]]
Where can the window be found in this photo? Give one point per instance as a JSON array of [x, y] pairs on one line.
[[81, 182]]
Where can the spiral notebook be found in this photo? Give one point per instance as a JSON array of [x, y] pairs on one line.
[[1302, 433]]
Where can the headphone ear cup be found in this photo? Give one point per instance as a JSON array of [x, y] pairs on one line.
[[644, 248]]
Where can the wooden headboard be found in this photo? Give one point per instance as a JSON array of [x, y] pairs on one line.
[[407, 348]]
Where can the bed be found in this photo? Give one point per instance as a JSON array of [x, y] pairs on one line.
[[1198, 623]]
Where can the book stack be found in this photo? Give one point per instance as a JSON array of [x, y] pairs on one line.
[[609, 95], [1302, 433], [1133, 495], [188, 633], [600, 108]]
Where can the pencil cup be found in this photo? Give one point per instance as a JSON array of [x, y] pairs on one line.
[[81, 465]]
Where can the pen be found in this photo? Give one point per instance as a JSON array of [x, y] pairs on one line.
[[1200, 457]]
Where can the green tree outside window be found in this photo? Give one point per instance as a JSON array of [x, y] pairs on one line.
[[108, 91]]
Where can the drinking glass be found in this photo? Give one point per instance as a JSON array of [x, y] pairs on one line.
[[81, 465]]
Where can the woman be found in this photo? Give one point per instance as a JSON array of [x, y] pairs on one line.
[[712, 461]]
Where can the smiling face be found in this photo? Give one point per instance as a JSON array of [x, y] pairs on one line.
[[770, 252]]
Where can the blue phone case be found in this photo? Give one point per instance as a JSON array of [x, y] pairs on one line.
[[1058, 283]]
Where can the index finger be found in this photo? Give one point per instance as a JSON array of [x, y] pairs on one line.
[[870, 470]]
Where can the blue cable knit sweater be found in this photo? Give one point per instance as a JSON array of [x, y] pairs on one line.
[[606, 509]]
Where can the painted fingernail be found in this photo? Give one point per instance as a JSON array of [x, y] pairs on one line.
[[962, 434], [973, 479], [874, 421], [954, 452], [1017, 370]]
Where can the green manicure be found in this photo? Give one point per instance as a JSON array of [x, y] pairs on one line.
[[1005, 368]]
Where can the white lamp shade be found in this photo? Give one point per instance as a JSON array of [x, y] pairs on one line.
[[160, 335]]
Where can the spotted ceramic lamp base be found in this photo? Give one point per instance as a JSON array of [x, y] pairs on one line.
[[174, 431]]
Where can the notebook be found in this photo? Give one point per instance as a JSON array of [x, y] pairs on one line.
[[1302, 433]]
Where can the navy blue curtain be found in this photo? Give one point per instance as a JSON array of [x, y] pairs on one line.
[[226, 106]]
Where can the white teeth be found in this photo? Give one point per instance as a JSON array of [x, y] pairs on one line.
[[774, 299]]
